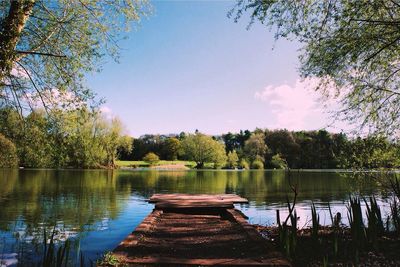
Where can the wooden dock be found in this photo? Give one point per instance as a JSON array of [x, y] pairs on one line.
[[200, 230]]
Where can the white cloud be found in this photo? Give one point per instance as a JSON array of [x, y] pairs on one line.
[[295, 107]]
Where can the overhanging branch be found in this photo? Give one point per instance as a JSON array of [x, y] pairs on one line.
[[39, 53]]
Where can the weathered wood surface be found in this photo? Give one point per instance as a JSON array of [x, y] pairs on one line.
[[190, 201], [191, 234]]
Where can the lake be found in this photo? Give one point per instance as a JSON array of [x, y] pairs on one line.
[[96, 209]]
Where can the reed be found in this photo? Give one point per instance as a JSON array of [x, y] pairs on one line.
[[315, 222], [357, 228], [375, 222]]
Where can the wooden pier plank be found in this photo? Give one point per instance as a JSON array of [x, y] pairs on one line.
[[198, 197], [214, 234]]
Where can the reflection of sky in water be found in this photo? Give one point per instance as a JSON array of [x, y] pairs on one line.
[[98, 209], [266, 215], [106, 239]]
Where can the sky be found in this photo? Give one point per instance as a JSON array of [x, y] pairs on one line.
[[188, 66]]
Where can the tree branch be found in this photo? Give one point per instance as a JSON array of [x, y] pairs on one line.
[[39, 53]]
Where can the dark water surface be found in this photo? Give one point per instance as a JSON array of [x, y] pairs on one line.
[[96, 209]]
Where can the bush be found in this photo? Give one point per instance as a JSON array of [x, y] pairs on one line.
[[257, 164], [151, 158], [244, 164], [278, 162], [8, 155]]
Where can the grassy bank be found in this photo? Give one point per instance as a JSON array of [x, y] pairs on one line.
[[143, 164]]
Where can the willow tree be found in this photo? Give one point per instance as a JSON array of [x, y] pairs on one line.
[[352, 47], [46, 47]]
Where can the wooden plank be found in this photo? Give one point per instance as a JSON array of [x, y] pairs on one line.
[[174, 204], [273, 261], [193, 230], [200, 197]]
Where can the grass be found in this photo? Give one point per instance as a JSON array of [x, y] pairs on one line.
[[141, 163]]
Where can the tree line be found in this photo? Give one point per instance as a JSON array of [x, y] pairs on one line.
[[264, 148], [84, 138], [80, 138]]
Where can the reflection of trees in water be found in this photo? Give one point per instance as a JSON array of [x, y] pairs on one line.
[[260, 187], [77, 199], [84, 199]]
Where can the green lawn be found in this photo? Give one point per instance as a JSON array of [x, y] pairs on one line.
[[141, 163]]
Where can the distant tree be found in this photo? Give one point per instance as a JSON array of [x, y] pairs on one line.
[[232, 159], [351, 46], [255, 147], [148, 143], [8, 155], [257, 164], [114, 139], [171, 148], [202, 148], [151, 158], [277, 162], [243, 164], [283, 142]]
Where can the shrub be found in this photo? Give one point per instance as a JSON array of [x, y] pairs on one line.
[[8, 155], [151, 158], [244, 164], [278, 162], [257, 164]]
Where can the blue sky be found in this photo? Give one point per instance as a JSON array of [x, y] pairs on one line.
[[188, 66]]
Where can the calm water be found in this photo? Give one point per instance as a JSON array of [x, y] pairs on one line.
[[97, 209]]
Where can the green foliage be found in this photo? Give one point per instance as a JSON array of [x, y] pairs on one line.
[[171, 148], [109, 259], [363, 78], [52, 44], [202, 148], [255, 146], [79, 138], [8, 155], [232, 160], [277, 162], [257, 164], [243, 164], [151, 158]]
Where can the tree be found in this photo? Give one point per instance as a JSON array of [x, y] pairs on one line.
[[257, 164], [244, 164], [232, 159], [113, 139], [351, 47], [255, 146], [151, 158], [282, 142], [171, 148], [75, 138], [202, 148], [46, 47], [8, 155], [277, 162]]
